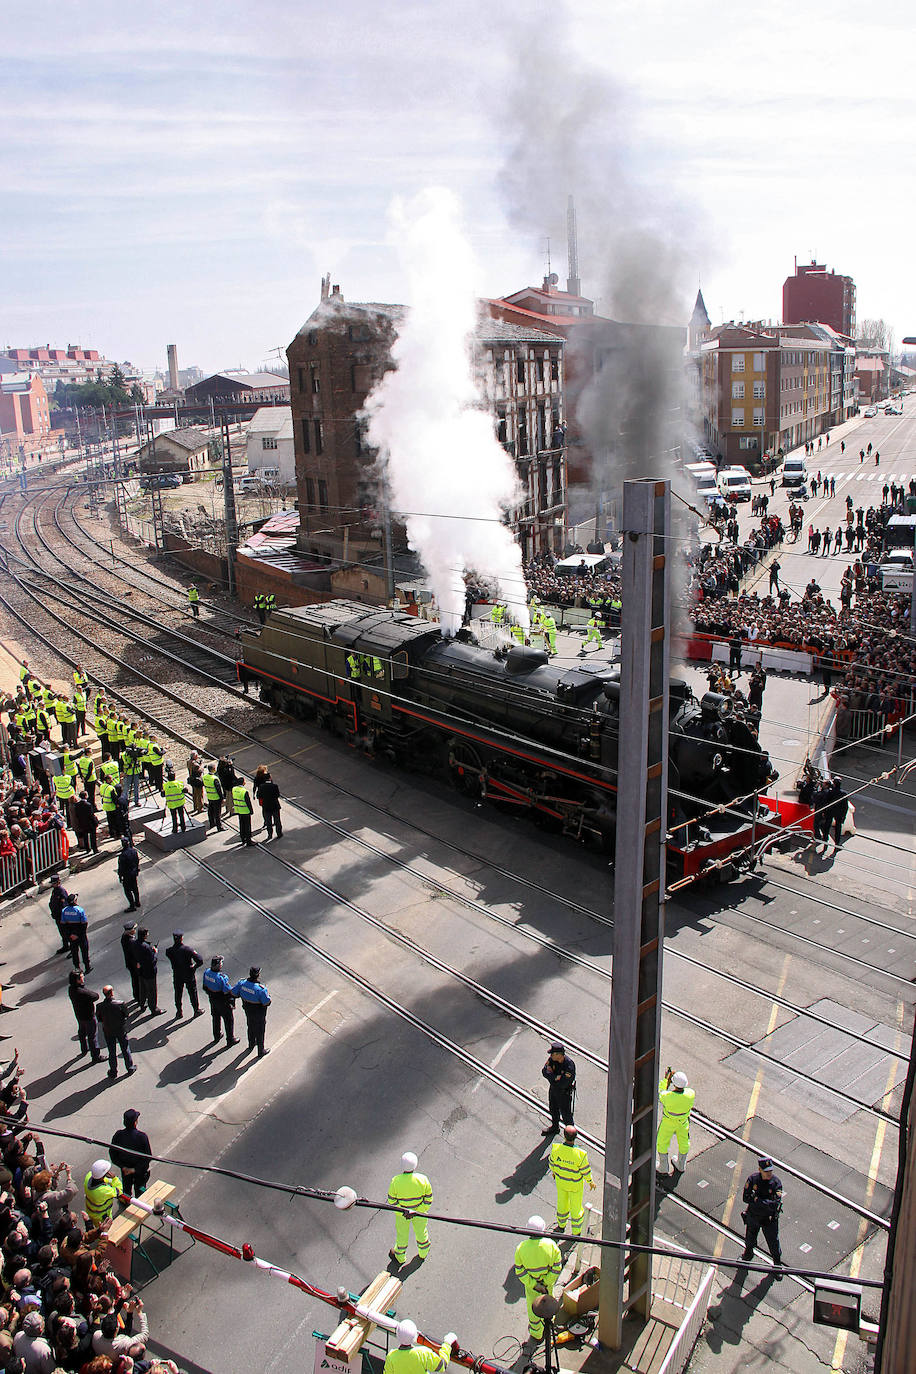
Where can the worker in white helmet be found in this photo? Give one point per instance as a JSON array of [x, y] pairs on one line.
[[675, 1099], [410, 1358], [411, 1192], [537, 1266]]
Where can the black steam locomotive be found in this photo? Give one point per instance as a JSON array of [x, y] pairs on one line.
[[505, 724]]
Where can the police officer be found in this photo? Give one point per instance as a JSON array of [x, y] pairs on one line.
[[676, 1101], [255, 1002], [571, 1171], [194, 601], [537, 1265], [129, 950], [560, 1072], [219, 990], [83, 1000], [410, 1358], [175, 798], [147, 964], [213, 791], [128, 868], [102, 1190], [75, 925], [131, 1152], [413, 1191], [241, 805], [57, 900], [185, 963], [763, 1198]]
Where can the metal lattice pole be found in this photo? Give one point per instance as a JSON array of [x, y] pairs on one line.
[[639, 887]]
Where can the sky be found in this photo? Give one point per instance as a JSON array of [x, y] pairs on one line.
[[187, 172]]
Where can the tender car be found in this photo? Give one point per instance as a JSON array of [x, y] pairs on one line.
[[871, 412]]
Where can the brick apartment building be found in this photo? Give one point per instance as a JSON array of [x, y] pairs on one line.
[[815, 295], [70, 366], [335, 360], [767, 389], [25, 419]]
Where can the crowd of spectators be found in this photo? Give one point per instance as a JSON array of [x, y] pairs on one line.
[[568, 589], [25, 812], [62, 1306]]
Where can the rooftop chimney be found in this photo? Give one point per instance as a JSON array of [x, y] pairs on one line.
[[573, 284], [325, 287]]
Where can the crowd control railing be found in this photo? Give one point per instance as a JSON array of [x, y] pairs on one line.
[[38, 856], [688, 1332]]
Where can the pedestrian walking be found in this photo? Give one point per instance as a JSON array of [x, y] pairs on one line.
[[131, 1153], [101, 1188], [131, 963], [219, 990], [410, 1358], [57, 900], [560, 1072], [413, 1192], [112, 1017], [241, 805], [75, 924], [571, 1171], [537, 1266], [175, 799], [185, 963], [213, 791], [194, 601], [128, 868], [763, 1204], [269, 798], [147, 964], [676, 1101], [255, 1002], [83, 1001]]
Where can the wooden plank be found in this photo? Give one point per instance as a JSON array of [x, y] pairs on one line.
[[132, 1217], [351, 1335]]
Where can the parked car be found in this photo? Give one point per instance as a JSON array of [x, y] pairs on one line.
[[160, 479], [871, 412]]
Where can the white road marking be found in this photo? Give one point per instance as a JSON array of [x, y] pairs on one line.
[[502, 1051]]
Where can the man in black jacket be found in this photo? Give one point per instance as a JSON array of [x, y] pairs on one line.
[[130, 1152], [560, 1072], [128, 868], [112, 1016], [129, 950], [57, 900], [85, 823], [121, 812], [84, 1000], [185, 963], [147, 963], [269, 797]]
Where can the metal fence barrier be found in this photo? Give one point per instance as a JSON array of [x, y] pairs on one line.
[[38, 856], [688, 1332]]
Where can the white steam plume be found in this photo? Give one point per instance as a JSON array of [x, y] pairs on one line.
[[427, 418]]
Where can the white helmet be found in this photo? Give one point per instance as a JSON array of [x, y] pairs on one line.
[[100, 1168], [409, 1162], [407, 1332], [679, 1080], [537, 1224]]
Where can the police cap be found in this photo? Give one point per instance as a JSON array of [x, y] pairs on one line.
[[764, 1162]]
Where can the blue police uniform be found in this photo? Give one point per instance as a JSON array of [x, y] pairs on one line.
[[255, 1002], [219, 990], [75, 929]]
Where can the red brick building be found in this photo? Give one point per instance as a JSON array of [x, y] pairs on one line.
[[815, 296], [24, 415]]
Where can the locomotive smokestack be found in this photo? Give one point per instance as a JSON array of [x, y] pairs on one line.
[[573, 284]]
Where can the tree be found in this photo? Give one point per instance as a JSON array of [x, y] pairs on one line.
[[136, 394], [877, 335]]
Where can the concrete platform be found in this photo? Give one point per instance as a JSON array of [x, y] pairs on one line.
[[149, 810], [159, 832]]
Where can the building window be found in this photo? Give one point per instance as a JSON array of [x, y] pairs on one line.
[[737, 418], [760, 362], [501, 428], [268, 443], [760, 391], [310, 490], [520, 370], [319, 440], [522, 431], [306, 443], [554, 367], [539, 370], [322, 494], [758, 416], [737, 391], [738, 362], [312, 338], [316, 381]]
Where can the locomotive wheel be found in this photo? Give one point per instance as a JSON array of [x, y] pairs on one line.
[[464, 761]]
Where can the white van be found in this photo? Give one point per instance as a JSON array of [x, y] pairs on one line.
[[697, 471], [794, 472], [735, 484]]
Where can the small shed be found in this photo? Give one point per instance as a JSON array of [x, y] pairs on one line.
[[179, 450]]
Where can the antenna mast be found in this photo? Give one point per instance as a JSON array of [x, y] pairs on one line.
[[573, 285]]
